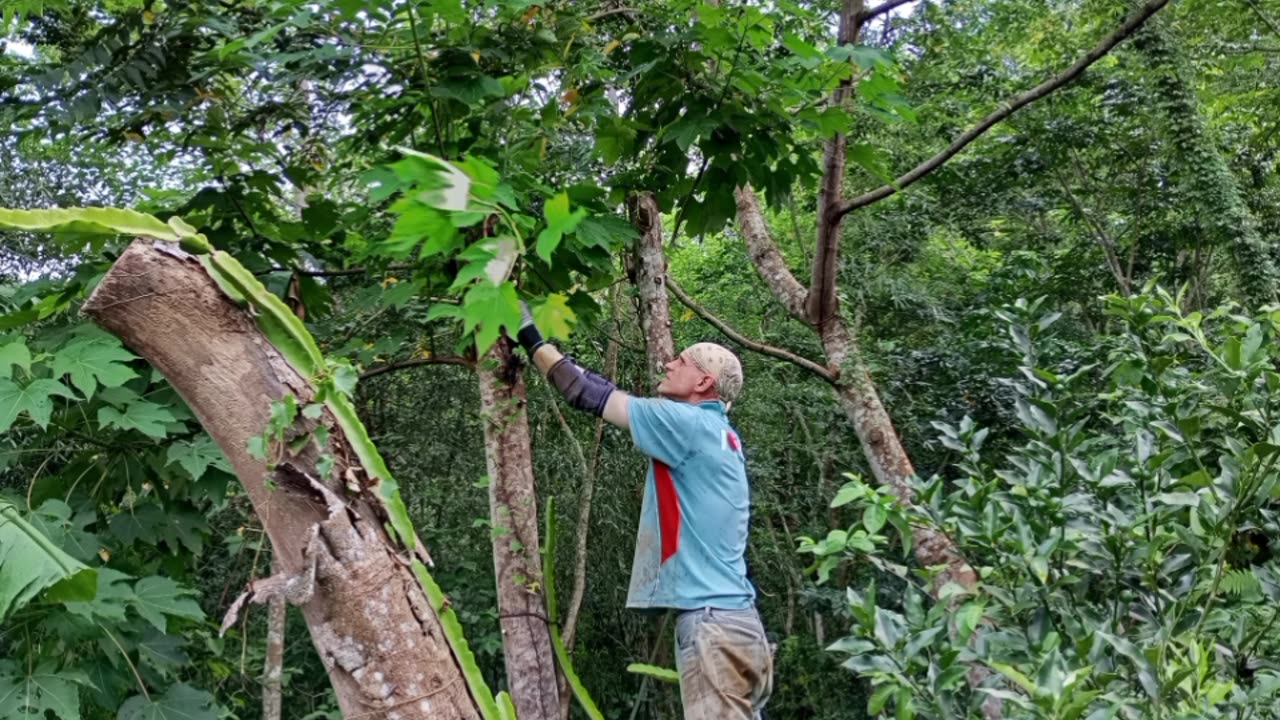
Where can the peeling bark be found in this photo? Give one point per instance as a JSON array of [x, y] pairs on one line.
[[370, 620], [648, 273], [513, 512]]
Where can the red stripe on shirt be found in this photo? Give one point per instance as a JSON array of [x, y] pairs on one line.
[[668, 509]]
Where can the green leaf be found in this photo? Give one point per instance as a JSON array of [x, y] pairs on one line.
[[257, 447], [487, 309], [65, 529], [968, 617], [180, 702], [35, 399], [850, 491], [93, 361], [43, 689], [400, 293], [559, 223], [880, 698], [144, 416], [31, 564], [197, 455], [110, 600], [97, 221], [162, 652], [553, 316], [1016, 676], [345, 377], [1146, 673], [15, 353], [605, 231], [444, 309], [155, 597], [655, 672], [874, 517], [419, 222]]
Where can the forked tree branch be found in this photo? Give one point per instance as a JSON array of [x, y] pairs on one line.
[[1042, 90], [881, 9], [744, 341]]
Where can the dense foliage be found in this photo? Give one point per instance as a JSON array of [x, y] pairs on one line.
[[1071, 324]]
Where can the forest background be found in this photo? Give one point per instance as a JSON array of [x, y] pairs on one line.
[[1002, 274]]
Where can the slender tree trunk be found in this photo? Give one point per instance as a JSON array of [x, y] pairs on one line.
[[371, 622], [648, 272], [513, 512], [274, 667], [855, 390]]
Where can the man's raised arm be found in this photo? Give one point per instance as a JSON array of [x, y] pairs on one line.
[[582, 388]]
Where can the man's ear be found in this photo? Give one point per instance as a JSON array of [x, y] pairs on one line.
[[706, 383]]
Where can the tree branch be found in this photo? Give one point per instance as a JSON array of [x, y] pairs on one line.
[[403, 364], [1266, 20], [1043, 89], [632, 12], [744, 341], [334, 273], [767, 258], [821, 302], [881, 9]]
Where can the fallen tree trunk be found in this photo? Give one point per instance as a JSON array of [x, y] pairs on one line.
[[372, 624]]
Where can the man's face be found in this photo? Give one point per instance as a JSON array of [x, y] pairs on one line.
[[684, 380]]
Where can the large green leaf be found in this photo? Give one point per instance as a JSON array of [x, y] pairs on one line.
[[162, 652], [66, 529], [144, 416], [35, 399], [30, 563], [559, 222], [98, 221], [554, 316], [94, 361], [15, 353], [156, 597], [110, 600], [180, 702], [487, 309], [198, 455], [33, 693]]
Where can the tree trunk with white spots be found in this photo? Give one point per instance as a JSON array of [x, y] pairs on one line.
[[648, 270]]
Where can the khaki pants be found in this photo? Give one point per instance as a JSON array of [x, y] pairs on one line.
[[725, 664]]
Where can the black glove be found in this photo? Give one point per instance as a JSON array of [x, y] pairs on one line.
[[528, 335]]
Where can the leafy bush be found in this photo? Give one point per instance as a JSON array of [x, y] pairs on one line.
[[1124, 546]]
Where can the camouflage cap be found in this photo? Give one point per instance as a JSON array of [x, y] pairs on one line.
[[720, 364]]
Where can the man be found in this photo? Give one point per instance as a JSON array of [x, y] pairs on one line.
[[693, 520]]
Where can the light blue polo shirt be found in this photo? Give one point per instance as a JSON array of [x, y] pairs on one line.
[[693, 521]]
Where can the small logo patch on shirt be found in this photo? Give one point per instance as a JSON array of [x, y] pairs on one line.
[[729, 441]]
